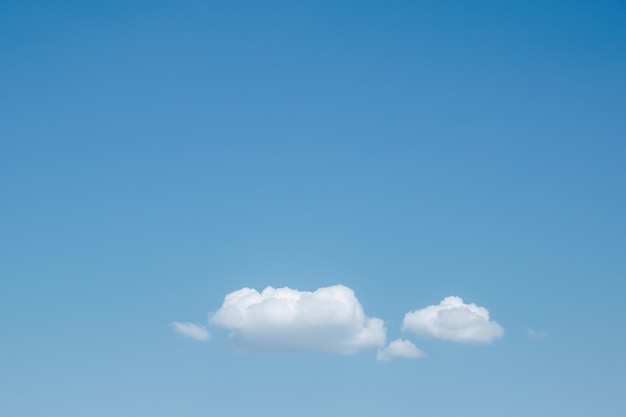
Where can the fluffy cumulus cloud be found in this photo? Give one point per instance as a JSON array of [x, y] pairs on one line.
[[191, 330], [399, 348], [330, 319], [453, 320]]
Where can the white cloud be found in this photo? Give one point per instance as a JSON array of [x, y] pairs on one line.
[[536, 334], [453, 320], [398, 349], [330, 319], [191, 330]]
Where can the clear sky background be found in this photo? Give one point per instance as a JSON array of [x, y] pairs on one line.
[[156, 156]]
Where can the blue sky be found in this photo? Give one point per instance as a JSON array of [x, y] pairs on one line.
[[157, 156]]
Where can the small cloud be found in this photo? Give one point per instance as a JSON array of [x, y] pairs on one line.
[[536, 334], [329, 319], [191, 330], [399, 348], [453, 320]]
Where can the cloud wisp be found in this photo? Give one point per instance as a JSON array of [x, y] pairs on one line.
[[192, 331], [453, 320], [399, 348], [535, 334], [329, 319]]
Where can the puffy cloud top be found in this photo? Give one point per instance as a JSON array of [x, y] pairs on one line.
[[454, 320], [399, 348], [330, 319]]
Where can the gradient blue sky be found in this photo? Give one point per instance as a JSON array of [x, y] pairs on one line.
[[155, 156]]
